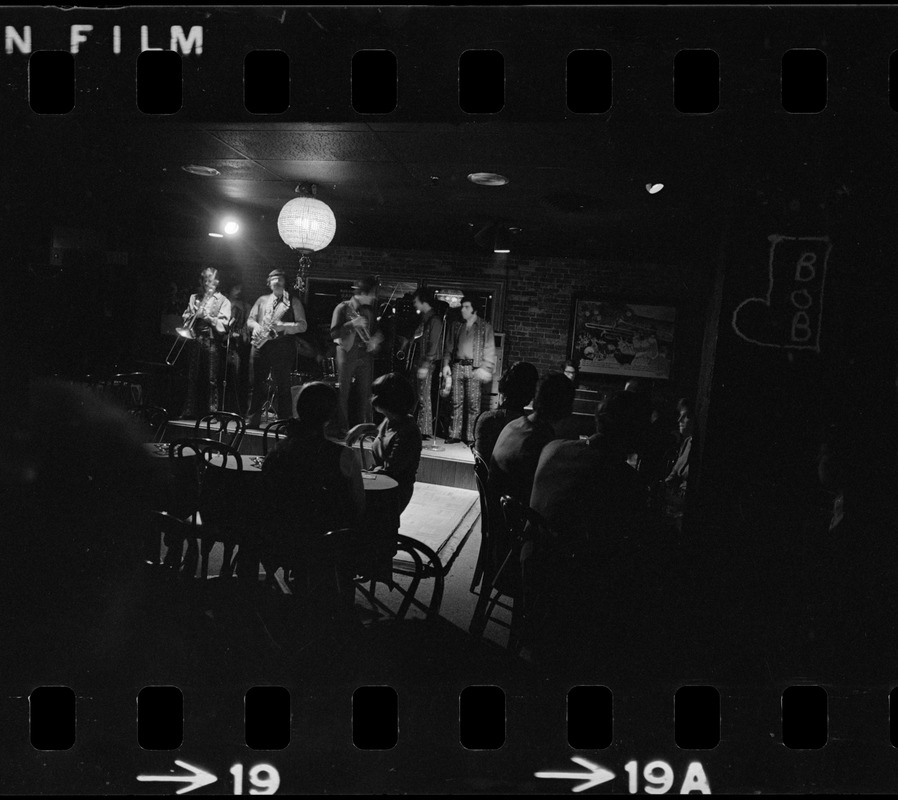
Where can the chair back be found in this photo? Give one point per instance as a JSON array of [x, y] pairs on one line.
[[227, 505], [426, 565], [366, 458], [194, 446], [127, 389], [364, 557], [231, 427], [152, 419], [276, 431], [482, 479], [189, 458]]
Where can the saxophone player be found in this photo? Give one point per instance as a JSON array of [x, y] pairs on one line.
[[273, 322], [354, 331], [207, 315]]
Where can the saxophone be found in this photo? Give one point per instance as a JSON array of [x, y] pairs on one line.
[[265, 331]]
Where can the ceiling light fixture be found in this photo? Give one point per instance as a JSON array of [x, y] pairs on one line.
[[197, 169], [231, 227], [654, 188], [217, 235], [306, 225], [487, 179], [501, 243]]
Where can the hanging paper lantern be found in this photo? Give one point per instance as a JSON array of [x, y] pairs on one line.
[[306, 224]]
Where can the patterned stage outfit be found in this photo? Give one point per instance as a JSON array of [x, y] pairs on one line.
[[427, 356], [469, 346]]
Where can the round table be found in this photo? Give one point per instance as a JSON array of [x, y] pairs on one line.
[[378, 482], [157, 449]]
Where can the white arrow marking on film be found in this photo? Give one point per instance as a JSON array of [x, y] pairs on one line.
[[596, 775], [199, 778]]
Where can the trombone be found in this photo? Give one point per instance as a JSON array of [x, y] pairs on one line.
[[185, 333]]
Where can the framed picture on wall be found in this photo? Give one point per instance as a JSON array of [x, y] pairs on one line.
[[616, 337]]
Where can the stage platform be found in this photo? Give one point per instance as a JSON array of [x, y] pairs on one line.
[[452, 466]]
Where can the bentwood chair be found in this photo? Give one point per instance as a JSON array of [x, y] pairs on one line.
[[407, 574], [172, 533], [226, 506], [367, 460], [482, 479], [128, 389], [230, 427], [152, 419], [275, 431], [510, 578], [187, 459]]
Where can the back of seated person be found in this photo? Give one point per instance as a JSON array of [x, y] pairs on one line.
[[312, 485], [585, 489], [594, 505], [516, 389], [516, 454], [74, 490]]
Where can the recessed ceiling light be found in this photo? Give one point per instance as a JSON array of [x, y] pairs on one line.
[[487, 179], [217, 235], [196, 169], [654, 188], [231, 227]]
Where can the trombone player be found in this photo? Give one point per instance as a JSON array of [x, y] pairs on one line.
[[206, 318]]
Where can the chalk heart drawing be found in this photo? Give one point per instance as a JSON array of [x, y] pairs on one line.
[[790, 315]]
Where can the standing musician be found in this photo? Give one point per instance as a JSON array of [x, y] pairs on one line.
[[207, 314], [469, 359], [427, 354], [355, 331], [273, 323], [237, 351]]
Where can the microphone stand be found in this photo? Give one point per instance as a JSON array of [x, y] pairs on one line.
[[434, 447], [227, 369]]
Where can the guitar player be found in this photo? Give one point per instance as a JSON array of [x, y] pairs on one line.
[[273, 323]]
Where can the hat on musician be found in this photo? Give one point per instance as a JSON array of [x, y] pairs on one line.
[[366, 285], [277, 273]]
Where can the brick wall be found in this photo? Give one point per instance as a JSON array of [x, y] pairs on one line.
[[539, 291]]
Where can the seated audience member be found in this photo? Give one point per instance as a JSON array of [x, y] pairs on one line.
[[679, 474], [571, 372], [312, 485], [516, 388], [517, 450], [397, 446], [74, 487], [658, 443], [591, 575], [585, 490]]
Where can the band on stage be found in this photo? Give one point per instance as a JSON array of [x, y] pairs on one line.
[[245, 360]]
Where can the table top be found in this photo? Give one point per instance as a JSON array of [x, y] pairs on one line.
[[373, 482], [377, 481]]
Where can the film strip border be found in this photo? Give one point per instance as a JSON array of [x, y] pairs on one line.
[[374, 80], [697, 717], [414, 64]]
